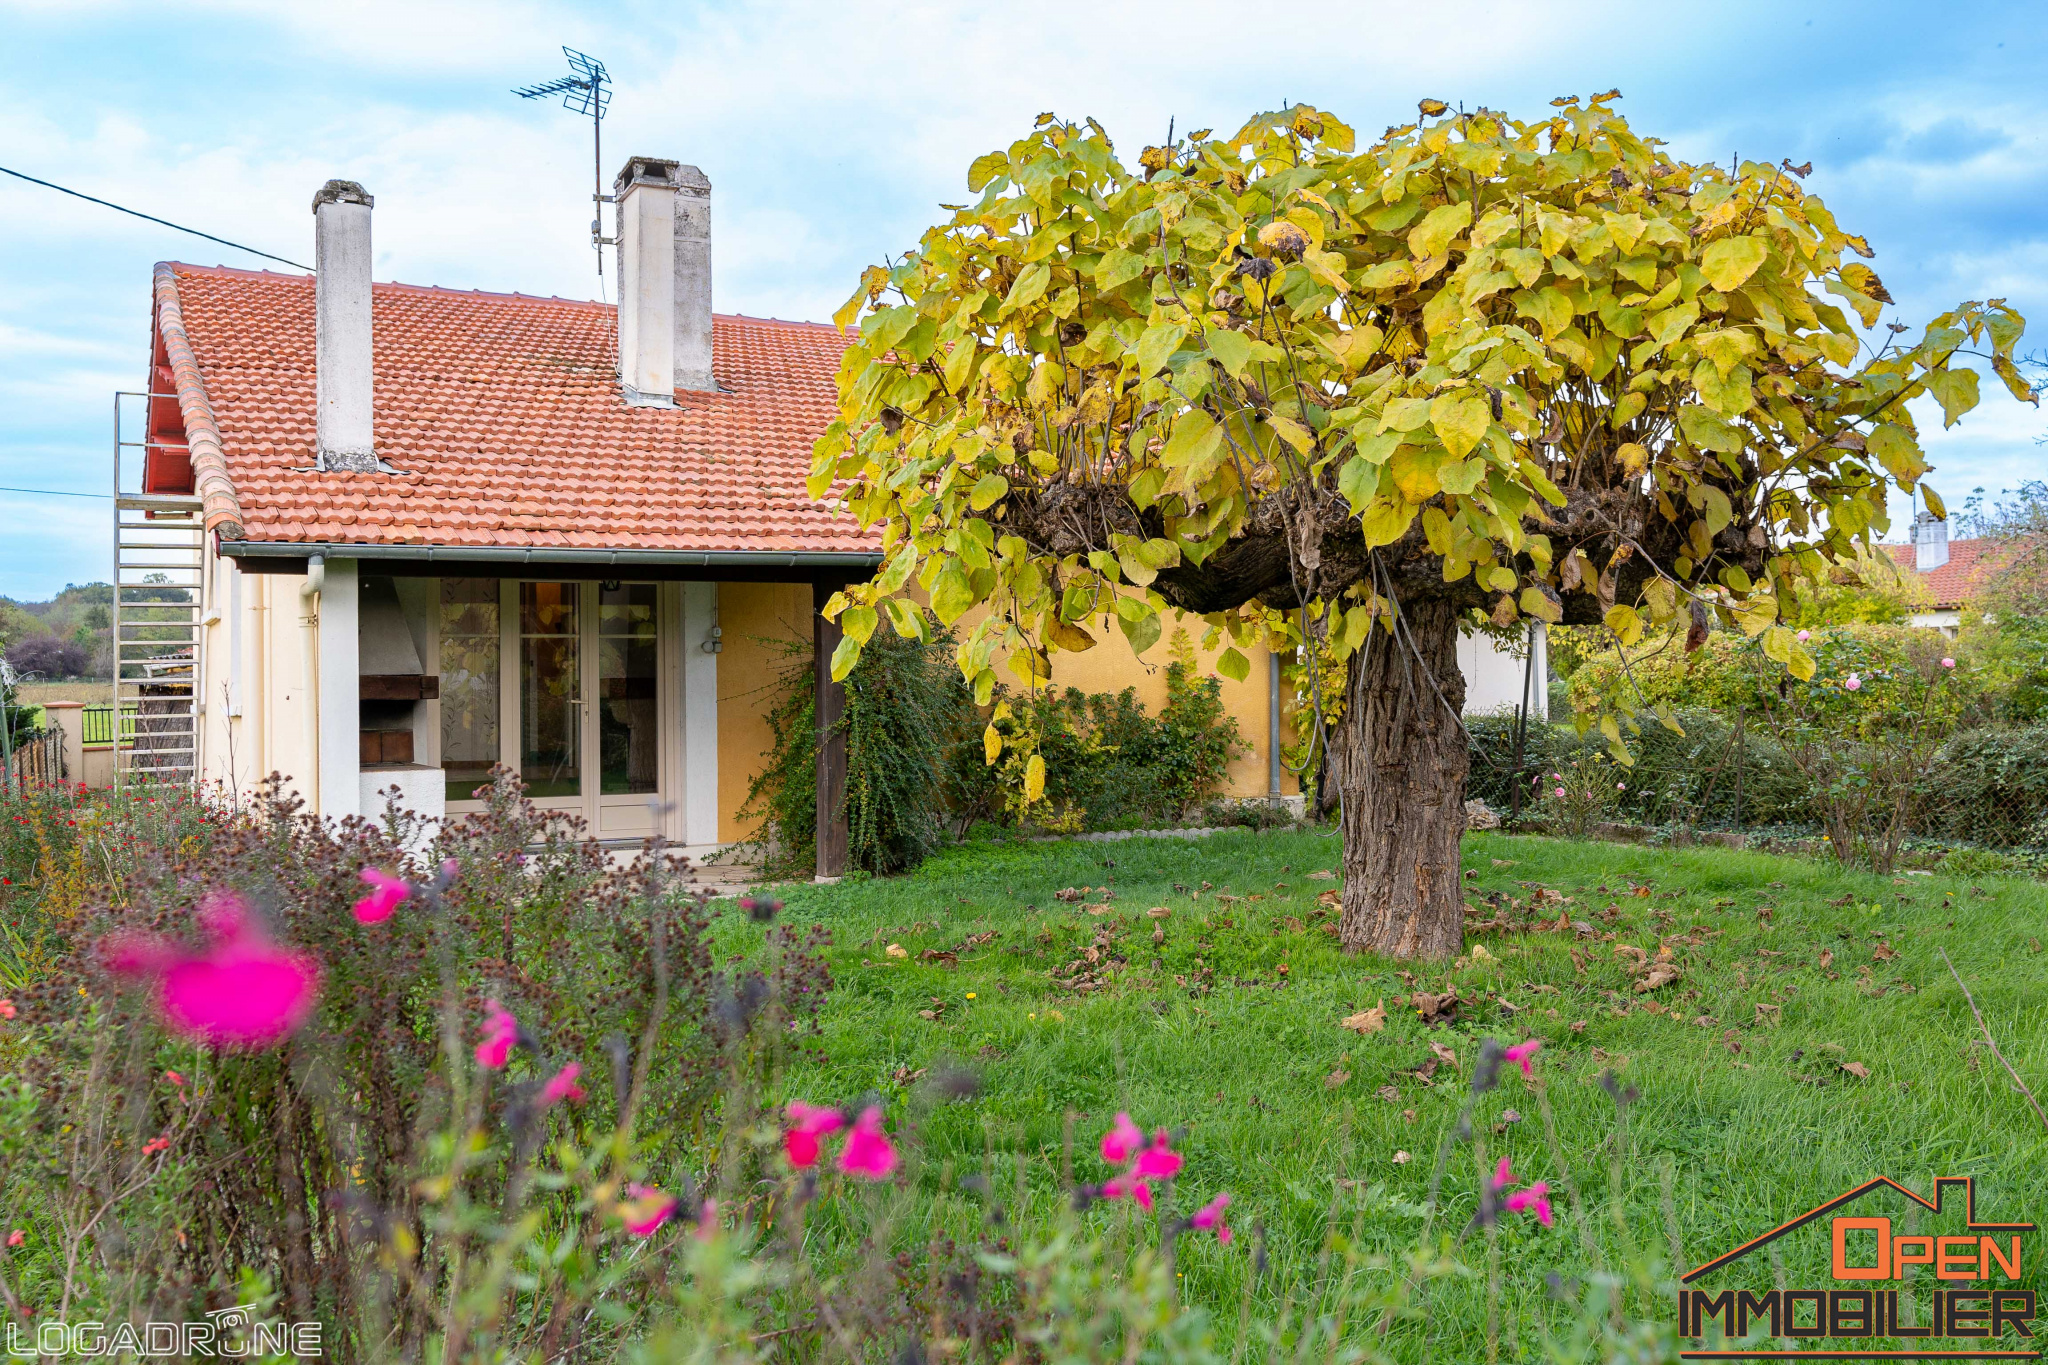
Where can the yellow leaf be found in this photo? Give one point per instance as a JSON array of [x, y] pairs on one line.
[[1801, 664], [1460, 419], [1434, 233], [1634, 458], [858, 621], [1537, 603], [1896, 449], [1461, 476], [1031, 283], [1069, 636], [1385, 521], [1413, 469], [991, 744], [1233, 349], [1624, 622], [1233, 665], [1294, 433], [844, 657], [1730, 261], [1034, 779], [988, 490]]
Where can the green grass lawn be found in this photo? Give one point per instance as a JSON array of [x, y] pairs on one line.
[[1795, 979]]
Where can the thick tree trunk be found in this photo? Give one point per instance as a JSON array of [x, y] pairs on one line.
[[1399, 758]]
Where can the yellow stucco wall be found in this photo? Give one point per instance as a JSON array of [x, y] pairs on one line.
[[751, 615]]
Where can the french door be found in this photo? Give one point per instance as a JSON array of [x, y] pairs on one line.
[[584, 683]]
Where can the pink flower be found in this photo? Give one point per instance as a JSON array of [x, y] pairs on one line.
[[1122, 1140], [707, 1221], [1805, 635], [386, 891], [562, 1086], [644, 1210], [808, 1124], [243, 992], [1210, 1215], [501, 1031], [1852, 682], [16, 1237], [1129, 1185], [1532, 1200], [1159, 1161], [1948, 663], [1560, 791], [1520, 1053], [175, 1079], [7, 1010], [1503, 1175], [1621, 786], [868, 1152], [155, 1145]]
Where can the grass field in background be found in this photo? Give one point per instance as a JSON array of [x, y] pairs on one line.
[[1231, 1027]]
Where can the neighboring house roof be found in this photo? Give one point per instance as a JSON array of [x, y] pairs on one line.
[[503, 411], [1949, 586]]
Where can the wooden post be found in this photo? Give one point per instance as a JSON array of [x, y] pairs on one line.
[[830, 707]]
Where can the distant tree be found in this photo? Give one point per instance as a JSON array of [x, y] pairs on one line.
[[1484, 368], [49, 658]]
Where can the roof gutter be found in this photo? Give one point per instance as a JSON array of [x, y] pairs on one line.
[[221, 509], [522, 554]]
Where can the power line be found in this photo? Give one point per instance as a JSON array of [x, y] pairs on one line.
[[55, 493], [151, 218]]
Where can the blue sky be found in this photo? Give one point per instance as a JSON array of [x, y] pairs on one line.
[[831, 131]]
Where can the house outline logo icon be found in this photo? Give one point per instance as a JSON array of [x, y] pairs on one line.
[[1869, 1311]]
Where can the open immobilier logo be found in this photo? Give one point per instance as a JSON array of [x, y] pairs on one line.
[[1975, 1296]]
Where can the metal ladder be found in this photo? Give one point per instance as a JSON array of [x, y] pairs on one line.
[[159, 593]]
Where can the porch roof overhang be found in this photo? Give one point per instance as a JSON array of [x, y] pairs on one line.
[[507, 561]]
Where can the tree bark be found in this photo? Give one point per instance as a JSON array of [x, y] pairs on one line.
[[1399, 758]]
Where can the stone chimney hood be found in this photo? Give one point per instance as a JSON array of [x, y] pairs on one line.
[[341, 328], [664, 239]]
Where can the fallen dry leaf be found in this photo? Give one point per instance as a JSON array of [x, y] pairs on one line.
[[1336, 1078], [1578, 1026], [1827, 958], [1503, 862], [1768, 1014], [1408, 1116], [1402, 1158], [896, 950], [1633, 953], [1158, 912], [1660, 974], [1071, 893], [1857, 1069], [1479, 954], [1368, 1021], [1389, 1094], [1444, 1054], [1323, 876], [1884, 953], [1098, 909], [1640, 891]]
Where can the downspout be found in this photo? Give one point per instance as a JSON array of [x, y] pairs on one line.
[[309, 618], [1273, 796]]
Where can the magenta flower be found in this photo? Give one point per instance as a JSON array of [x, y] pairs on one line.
[[1210, 1215], [501, 1031], [243, 993], [1520, 1053], [1533, 1200], [386, 891], [645, 1209], [1805, 635], [1948, 663], [868, 1152], [809, 1123], [1560, 791], [562, 1086], [1122, 1141], [1503, 1175], [1129, 1185], [1159, 1161], [707, 1221], [1852, 682]]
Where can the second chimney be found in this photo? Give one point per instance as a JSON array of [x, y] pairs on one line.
[[343, 393], [664, 239]]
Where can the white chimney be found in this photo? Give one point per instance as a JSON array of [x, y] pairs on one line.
[[664, 238], [1930, 542], [646, 197], [693, 280], [341, 327]]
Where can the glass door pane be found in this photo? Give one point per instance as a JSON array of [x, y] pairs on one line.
[[627, 735], [470, 650], [551, 689]]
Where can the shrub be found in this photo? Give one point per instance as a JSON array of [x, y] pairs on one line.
[[50, 657]]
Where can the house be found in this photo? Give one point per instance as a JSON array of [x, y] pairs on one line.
[[1947, 570], [390, 535]]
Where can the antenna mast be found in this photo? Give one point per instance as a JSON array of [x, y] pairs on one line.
[[587, 91]]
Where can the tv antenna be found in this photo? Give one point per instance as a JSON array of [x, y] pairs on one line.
[[586, 91]]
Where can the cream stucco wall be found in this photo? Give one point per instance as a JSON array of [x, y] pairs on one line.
[[252, 684], [753, 616]]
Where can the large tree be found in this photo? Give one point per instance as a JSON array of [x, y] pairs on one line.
[[1481, 371]]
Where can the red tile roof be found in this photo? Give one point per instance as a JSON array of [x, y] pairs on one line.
[[1950, 585], [504, 411]]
